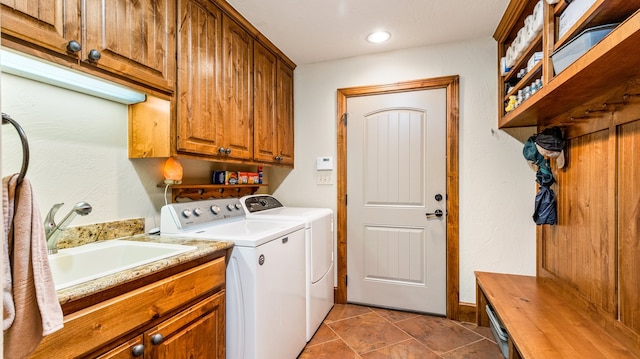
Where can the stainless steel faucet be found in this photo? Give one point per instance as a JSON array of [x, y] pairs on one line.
[[53, 230]]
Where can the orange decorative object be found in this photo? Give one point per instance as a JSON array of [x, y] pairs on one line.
[[172, 171]]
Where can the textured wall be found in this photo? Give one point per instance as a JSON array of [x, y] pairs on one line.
[[496, 186], [79, 151]]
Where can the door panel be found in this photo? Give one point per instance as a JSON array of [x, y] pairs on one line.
[[135, 39], [199, 42], [396, 165]]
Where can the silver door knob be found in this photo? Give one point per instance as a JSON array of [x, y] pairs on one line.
[[138, 350], [157, 339], [94, 55]]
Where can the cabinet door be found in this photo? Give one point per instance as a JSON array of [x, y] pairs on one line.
[[50, 24], [129, 350], [198, 332], [236, 101], [265, 139], [285, 114], [199, 42], [135, 39]]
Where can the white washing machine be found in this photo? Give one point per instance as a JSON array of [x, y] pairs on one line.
[[265, 278], [318, 251]]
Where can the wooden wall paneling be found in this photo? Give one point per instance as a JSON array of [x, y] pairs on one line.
[[629, 223], [580, 251]]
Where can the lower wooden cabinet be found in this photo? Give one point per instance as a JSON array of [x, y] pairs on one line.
[[198, 332], [180, 316]]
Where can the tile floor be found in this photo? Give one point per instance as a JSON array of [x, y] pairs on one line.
[[358, 332]]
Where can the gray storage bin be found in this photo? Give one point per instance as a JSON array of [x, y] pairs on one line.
[[499, 332], [572, 50]]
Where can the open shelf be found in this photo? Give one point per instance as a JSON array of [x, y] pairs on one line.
[[609, 64], [198, 192]]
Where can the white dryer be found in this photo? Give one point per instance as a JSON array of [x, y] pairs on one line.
[[319, 256]]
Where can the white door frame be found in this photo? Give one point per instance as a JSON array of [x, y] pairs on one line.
[[451, 84]]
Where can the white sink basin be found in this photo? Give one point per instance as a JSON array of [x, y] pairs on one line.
[[84, 263]]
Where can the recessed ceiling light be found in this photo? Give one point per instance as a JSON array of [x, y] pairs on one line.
[[378, 37]]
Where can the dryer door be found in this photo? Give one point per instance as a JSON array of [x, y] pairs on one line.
[[321, 247]]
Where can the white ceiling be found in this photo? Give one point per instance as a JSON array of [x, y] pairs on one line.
[[311, 31]]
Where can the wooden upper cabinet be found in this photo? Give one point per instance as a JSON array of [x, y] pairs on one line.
[[273, 108], [49, 24], [135, 39], [285, 114], [236, 97], [264, 104], [199, 124]]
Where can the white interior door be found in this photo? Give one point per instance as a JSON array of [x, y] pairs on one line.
[[396, 175]]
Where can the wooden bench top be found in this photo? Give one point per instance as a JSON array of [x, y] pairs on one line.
[[542, 321]]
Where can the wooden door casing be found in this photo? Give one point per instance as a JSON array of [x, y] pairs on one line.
[[452, 84]]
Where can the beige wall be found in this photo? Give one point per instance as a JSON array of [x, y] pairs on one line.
[[496, 186], [79, 151]]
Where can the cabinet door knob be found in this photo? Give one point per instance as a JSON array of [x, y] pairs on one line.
[[227, 151], [138, 350], [94, 55], [221, 150], [73, 47], [157, 339]]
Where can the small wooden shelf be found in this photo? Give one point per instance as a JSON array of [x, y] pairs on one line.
[[199, 192]]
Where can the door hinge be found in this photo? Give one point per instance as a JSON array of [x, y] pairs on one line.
[[346, 199], [346, 280], [345, 116]]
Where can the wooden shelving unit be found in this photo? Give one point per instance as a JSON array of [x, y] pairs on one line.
[[606, 69], [197, 192]]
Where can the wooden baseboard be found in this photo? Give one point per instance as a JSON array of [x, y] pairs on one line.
[[467, 312]]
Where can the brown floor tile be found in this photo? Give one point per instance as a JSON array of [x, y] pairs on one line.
[[322, 335], [394, 315], [359, 332], [482, 349], [330, 350], [368, 332], [343, 311], [439, 334], [408, 349], [484, 331]]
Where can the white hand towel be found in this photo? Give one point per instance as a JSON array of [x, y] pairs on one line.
[[32, 309]]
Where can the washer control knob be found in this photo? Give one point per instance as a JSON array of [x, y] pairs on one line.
[[230, 206], [186, 213], [215, 209], [197, 212], [238, 206]]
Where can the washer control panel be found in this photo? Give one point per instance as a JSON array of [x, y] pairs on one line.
[[259, 203], [177, 217]]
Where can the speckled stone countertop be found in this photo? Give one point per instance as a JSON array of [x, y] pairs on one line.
[[203, 248]]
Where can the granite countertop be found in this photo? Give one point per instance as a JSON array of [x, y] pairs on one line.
[[203, 248]]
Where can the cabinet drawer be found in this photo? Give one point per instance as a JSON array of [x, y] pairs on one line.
[[90, 328]]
